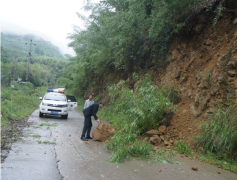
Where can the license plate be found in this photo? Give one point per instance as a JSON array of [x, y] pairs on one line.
[[54, 112]]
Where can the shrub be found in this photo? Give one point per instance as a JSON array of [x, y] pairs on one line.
[[133, 112], [182, 147], [142, 107], [220, 134]]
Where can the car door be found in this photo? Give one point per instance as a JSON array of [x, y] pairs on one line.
[[72, 102]]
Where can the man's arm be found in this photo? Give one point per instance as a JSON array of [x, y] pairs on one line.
[[95, 111]]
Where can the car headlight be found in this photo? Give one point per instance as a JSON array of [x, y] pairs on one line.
[[45, 104], [65, 105]]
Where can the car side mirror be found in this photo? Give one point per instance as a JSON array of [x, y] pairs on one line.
[[40, 98], [68, 100]]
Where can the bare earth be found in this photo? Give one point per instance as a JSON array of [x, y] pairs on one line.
[[72, 159]]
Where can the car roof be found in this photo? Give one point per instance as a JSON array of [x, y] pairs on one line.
[[55, 93]]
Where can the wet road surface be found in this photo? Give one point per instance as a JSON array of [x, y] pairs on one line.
[[73, 159]]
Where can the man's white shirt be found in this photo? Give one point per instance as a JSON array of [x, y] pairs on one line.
[[88, 103]]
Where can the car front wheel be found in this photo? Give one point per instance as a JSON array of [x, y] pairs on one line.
[[64, 116], [40, 114]]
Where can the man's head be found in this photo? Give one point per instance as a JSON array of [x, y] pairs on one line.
[[90, 97], [101, 103]]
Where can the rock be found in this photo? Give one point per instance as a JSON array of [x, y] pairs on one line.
[[162, 138], [221, 79], [167, 143], [214, 89], [152, 133], [231, 73], [156, 148], [162, 129], [235, 21], [175, 142], [103, 132], [171, 141], [231, 64], [218, 172], [195, 168], [175, 54], [155, 139], [177, 73]]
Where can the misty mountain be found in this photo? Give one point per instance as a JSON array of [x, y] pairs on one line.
[[14, 45]]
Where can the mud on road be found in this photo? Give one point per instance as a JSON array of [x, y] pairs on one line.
[[51, 149]]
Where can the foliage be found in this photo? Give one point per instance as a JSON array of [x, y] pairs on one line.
[[143, 107], [125, 145], [41, 68], [132, 113], [208, 76], [182, 147], [18, 103], [170, 93], [14, 45], [122, 36], [220, 134]]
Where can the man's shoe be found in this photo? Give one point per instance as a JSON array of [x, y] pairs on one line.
[[84, 139], [89, 137]]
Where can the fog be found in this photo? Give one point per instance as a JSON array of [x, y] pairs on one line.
[[52, 20]]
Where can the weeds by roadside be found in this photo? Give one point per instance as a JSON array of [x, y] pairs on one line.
[[49, 124], [225, 163], [46, 142], [220, 135]]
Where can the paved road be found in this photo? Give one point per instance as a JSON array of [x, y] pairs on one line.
[[72, 159]]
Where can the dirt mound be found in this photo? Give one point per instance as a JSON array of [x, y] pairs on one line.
[[103, 132], [183, 126]]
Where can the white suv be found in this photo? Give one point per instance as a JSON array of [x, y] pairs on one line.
[[57, 104]]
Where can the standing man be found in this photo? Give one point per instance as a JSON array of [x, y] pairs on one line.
[[89, 102], [88, 112]]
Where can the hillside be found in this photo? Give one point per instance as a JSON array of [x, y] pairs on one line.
[[170, 63], [14, 45]]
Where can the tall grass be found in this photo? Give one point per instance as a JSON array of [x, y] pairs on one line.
[[220, 134], [19, 102]]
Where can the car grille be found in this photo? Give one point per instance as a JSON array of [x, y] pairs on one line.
[[55, 105], [54, 110]]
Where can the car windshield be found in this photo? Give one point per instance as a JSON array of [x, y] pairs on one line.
[[55, 97]]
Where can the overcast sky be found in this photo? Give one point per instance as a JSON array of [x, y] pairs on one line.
[[50, 19]]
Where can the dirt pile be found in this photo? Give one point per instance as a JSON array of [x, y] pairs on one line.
[[182, 126], [103, 132]]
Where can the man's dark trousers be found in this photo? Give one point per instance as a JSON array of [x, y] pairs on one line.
[[88, 112], [87, 126]]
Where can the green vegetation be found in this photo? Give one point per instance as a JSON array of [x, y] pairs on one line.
[[132, 113], [15, 45], [182, 147], [49, 124], [46, 61], [19, 102], [227, 163], [125, 36], [36, 136], [220, 135], [46, 142], [40, 68]]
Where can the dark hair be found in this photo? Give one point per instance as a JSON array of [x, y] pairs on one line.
[[102, 102], [91, 95]]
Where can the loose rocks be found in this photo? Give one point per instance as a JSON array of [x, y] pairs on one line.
[[195, 168], [103, 132], [152, 133]]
